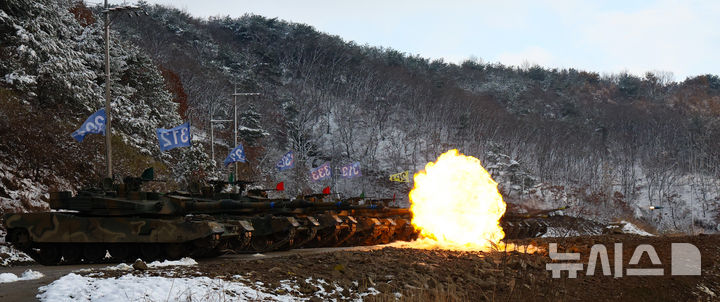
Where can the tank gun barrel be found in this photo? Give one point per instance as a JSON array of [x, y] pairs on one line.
[[251, 205]]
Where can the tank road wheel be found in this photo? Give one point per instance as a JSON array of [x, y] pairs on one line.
[[94, 253], [150, 251], [283, 241], [260, 243], [240, 243], [120, 252], [71, 253], [49, 255], [175, 251]]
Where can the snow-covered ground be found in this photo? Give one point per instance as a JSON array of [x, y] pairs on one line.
[[27, 275], [168, 281], [73, 287], [144, 287]]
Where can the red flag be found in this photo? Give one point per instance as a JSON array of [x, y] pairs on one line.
[[393, 197], [280, 186], [326, 190]]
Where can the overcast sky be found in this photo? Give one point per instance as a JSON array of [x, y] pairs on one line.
[[682, 37]]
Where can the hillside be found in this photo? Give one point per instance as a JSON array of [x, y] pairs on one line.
[[52, 79], [609, 146]]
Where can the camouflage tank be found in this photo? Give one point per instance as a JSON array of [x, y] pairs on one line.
[[124, 222]]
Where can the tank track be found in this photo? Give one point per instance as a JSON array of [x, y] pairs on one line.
[[254, 234]]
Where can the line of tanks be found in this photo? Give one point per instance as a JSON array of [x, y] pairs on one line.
[[122, 223]]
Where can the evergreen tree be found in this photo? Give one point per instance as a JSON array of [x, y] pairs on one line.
[[192, 165], [250, 129], [44, 54]]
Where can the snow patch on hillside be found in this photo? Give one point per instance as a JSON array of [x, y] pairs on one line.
[[74, 287], [560, 232], [21, 193], [629, 228], [10, 256]]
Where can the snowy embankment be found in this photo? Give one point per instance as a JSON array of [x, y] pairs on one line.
[[167, 281], [622, 227], [10, 256], [629, 228], [560, 232]]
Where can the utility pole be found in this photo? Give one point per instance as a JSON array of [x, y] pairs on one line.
[[108, 110], [235, 128], [235, 119], [212, 138]]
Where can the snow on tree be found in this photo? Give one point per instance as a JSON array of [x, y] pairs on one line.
[[192, 165], [52, 77], [250, 128], [44, 55]]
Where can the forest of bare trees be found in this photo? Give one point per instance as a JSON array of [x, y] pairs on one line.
[[637, 140]]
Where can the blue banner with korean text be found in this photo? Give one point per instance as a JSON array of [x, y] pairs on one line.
[[175, 137], [94, 124], [351, 170], [237, 154], [286, 162], [321, 172]]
